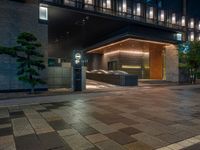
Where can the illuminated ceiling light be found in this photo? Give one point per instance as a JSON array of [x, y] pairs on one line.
[[43, 12], [131, 67], [173, 18], [127, 52], [138, 9], [151, 13], [124, 6], [183, 21], [191, 23], [108, 3], [162, 15]]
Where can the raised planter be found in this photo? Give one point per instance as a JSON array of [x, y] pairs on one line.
[[122, 80]]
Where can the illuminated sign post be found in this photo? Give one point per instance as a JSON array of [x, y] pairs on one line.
[[77, 70]]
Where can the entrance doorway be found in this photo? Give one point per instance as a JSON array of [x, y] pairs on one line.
[[143, 58]]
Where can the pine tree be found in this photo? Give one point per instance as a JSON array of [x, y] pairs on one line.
[[30, 60]]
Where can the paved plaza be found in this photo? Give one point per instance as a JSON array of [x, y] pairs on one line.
[[140, 118]]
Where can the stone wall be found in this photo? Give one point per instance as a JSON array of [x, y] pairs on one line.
[[17, 17], [171, 61]]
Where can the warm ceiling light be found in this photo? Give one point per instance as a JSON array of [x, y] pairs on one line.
[[123, 41], [126, 52], [130, 67]]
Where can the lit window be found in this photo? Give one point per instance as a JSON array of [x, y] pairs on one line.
[[124, 6], [43, 13], [108, 4], [138, 9], [198, 26], [173, 18], [191, 25], [183, 21], [198, 37], [89, 2], [151, 13], [179, 37], [191, 36], [162, 15]]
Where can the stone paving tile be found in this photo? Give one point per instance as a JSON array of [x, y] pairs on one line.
[[59, 124], [193, 147], [67, 132], [50, 116], [95, 138], [38, 123], [148, 129], [78, 142], [117, 126], [138, 146], [169, 138], [4, 113], [21, 126], [121, 138], [87, 131], [4, 120], [51, 141], [130, 131], [28, 142], [17, 114], [5, 125], [150, 140], [6, 131], [102, 128], [7, 143], [109, 145]]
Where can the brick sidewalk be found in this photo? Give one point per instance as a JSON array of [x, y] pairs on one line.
[[134, 119]]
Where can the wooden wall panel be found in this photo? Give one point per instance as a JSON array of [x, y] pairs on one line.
[[156, 62]]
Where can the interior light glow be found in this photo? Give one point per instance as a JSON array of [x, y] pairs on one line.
[[89, 2], [108, 4], [173, 18], [199, 26], [138, 9], [131, 67], [43, 12], [191, 38], [151, 13], [127, 52], [179, 36], [191, 23], [183, 21], [162, 15], [124, 6]]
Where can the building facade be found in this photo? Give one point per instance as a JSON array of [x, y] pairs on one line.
[[136, 36]]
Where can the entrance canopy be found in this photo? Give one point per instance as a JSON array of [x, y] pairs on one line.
[[135, 56]]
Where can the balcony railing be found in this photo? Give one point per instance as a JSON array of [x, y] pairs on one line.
[[134, 10]]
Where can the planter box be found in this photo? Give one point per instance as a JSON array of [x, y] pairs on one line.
[[122, 80]]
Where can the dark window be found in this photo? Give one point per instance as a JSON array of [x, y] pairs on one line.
[[112, 65]]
